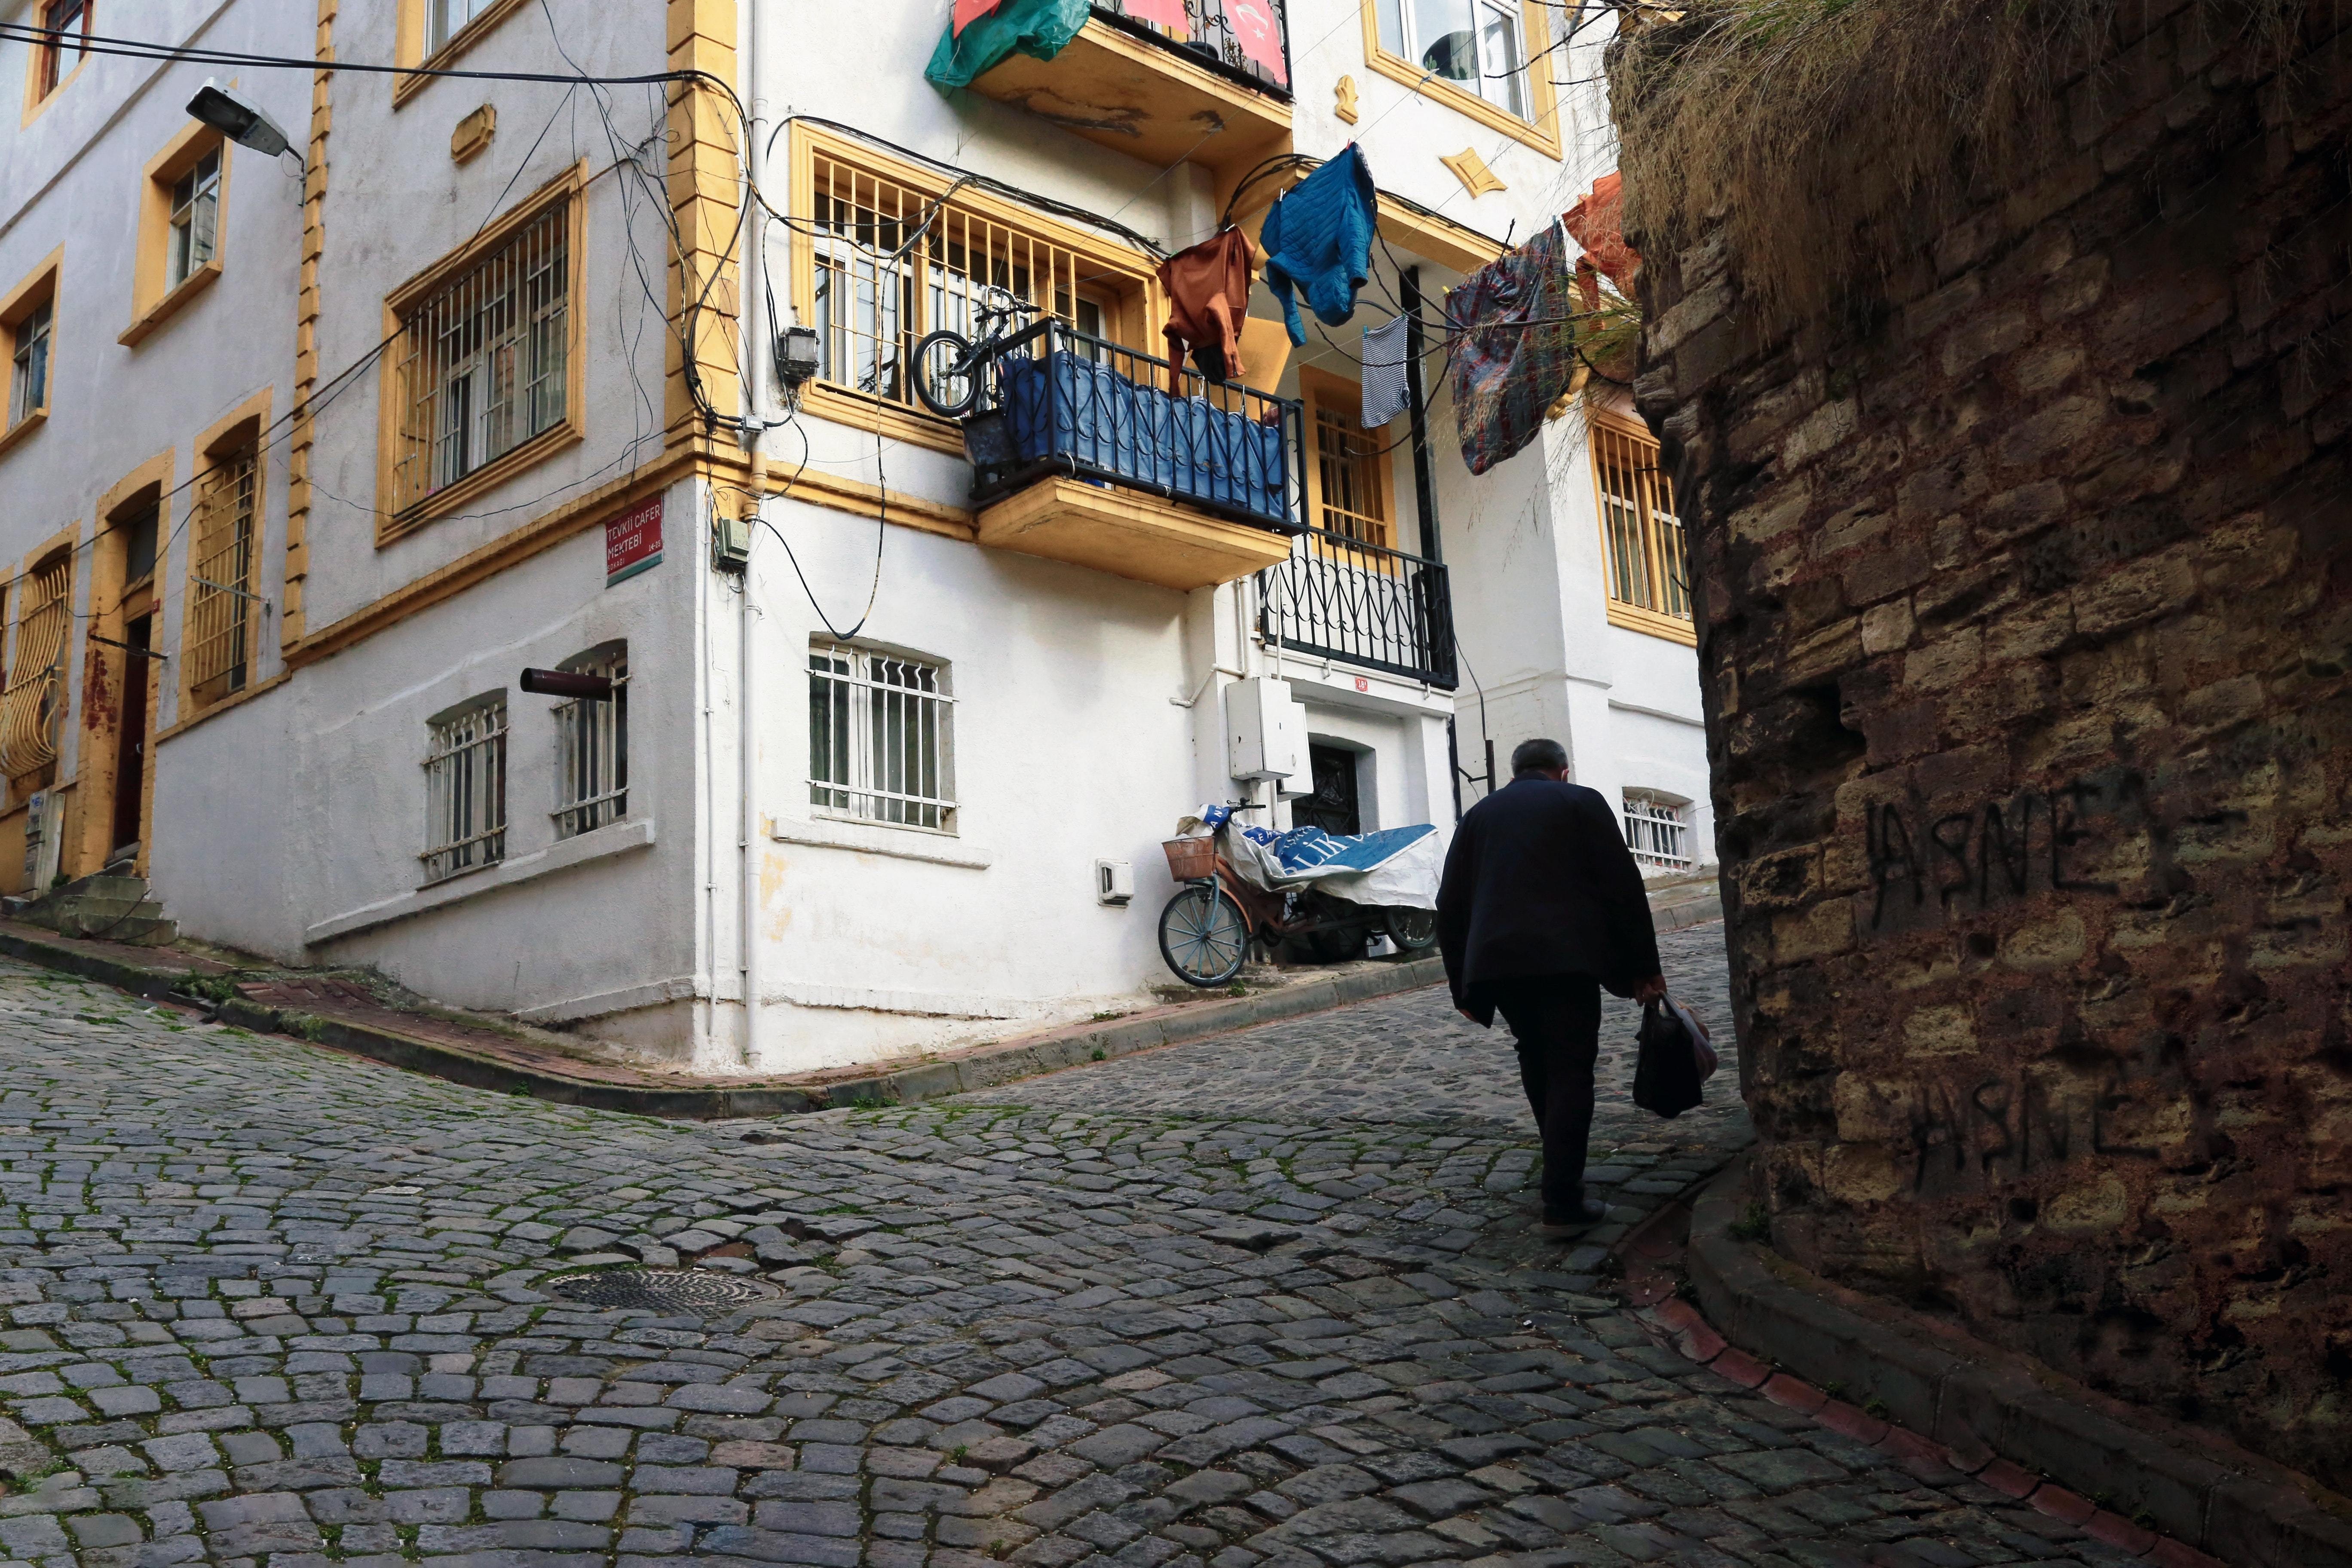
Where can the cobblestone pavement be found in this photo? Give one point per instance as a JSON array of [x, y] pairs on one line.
[[266, 1304]]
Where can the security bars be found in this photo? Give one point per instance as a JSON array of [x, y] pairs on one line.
[[1641, 537], [217, 645], [1382, 609], [1347, 459], [482, 361], [592, 749], [30, 701], [881, 738], [466, 791], [196, 218], [1657, 831]]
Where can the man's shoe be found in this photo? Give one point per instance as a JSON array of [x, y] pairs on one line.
[[1591, 1212]]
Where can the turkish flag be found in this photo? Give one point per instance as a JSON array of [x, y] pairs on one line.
[[967, 12], [1160, 12], [1255, 29]]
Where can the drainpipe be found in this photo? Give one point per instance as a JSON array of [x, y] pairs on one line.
[[758, 333]]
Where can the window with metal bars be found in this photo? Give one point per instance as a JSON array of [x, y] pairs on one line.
[[873, 304], [592, 747], [1645, 564], [28, 367], [34, 693], [217, 642], [1350, 464], [1658, 831], [196, 220], [465, 788], [881, 737], [482, 361]]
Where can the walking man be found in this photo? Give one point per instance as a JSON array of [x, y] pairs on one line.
[[1541, 906]]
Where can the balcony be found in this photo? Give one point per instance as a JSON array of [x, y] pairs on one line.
[[1087, 452], [1209, 90], [1362, 604]]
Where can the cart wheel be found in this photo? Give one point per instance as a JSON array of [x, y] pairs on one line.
[[1414, 931], [1202, 935], [1334, 944], [944, 378]]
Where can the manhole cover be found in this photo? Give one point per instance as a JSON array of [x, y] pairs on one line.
[[701, 1291]]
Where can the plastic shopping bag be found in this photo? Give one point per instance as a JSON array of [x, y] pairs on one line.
[[1674, 1059]]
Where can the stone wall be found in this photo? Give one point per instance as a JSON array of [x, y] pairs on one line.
[[2026, 592]]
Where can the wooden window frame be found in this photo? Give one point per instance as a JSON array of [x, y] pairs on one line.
[[219, 446], [409, 42], [1319, 389], [1653, 623], [42, 85], [37, 288], [1132, 318], [569, 191], [1540, 130], [154, 299]]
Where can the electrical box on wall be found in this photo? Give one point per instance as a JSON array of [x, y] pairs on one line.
[[1114, 882], [1266, 730]]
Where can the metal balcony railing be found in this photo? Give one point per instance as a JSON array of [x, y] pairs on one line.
[[1211, 36], [1361, 604], [1057, 402]]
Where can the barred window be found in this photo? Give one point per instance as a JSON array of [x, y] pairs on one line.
[[196, 219], [592, 746], [1641, 537], [222, 608], [1658, 831], [465, 788], [34, 691], [482, 361], [881, 738]]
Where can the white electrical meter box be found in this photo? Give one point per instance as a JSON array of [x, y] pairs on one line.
[[1266, 730]]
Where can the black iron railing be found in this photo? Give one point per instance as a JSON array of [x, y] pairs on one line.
[[1345, 599], [1056, 401], [1214, 35]]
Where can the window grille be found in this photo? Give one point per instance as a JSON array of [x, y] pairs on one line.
[[481, 361], [592, 749], [1657, 831], [218, 643], [1647, 566], [1479, 46], [1347, 463], [466, 791], [447, 19], [69, 22], [29, 372], [881, 738], [196, 218], [872, 305], [34, 691]]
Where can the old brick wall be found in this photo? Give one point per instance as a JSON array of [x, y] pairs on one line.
[[2026, 592]]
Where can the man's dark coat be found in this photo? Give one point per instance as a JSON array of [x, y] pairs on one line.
[[1539, 881]]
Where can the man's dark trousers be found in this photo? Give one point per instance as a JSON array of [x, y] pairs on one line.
[[1555, 1019]]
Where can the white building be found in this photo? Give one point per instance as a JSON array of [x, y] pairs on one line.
[[305, 465]]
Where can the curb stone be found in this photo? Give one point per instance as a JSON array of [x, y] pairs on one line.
[[1973, 1398]]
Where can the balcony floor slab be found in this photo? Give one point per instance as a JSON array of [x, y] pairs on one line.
[[1142, 99], [1128, 535]]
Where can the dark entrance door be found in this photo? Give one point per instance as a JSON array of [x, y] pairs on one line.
[[1332, 806], [130, 741]]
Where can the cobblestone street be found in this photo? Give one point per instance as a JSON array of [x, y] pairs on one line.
[[1268, 1298]]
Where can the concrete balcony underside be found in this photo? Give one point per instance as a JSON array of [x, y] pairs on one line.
[[1128, 535], [1141, 99]]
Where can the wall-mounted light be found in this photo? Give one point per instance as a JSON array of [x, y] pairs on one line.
[[796, 356], [241, 121]]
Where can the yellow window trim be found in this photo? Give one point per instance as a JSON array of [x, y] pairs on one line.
[[1632, 617], [409, 43], [60, 547], [21, 430], [36, 100], [1319, 389], [1140, 309], [150, 303], [224, 438], [567, 190], [37, 288], [1542, 133]]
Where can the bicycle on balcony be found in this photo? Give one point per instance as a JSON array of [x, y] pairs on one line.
[[950, 369]]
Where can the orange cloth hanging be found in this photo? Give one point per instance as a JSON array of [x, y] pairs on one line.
[[967, 12], [1598, 223], [1208, 294]]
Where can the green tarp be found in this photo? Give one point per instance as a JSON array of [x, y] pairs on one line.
[[1036, 28]]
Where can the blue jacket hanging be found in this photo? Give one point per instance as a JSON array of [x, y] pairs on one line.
[[1318, 237]]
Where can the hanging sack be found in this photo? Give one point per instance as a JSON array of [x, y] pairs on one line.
[[1674, 1059]]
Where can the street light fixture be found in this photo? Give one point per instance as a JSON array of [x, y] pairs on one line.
[[241, 121]]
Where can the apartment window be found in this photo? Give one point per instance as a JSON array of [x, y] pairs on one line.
[[68, 22], [1348, 489], [870, 304], [465, 788], [1478, 46], [592, 747], [1658, 831], [195, 214], [445, 19], [34, 691], [881, 737], [217, 642], [483, 357], [29, 365], [1643, 559]]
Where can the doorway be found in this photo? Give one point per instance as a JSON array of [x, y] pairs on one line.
[[1333, 807], [130, 741]]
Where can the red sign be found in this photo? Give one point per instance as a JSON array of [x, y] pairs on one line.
[[1362, 685], [1258, 34], [1160, 12], [967, 12], [633, 541]]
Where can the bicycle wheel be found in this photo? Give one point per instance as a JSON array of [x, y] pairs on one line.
[[1413, 930], [1202, 935], [944, 375]]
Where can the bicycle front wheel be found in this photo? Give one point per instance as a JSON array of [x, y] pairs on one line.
[[1202, 935], [945, 378]]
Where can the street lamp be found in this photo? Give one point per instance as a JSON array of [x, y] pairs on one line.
[[239, 120]]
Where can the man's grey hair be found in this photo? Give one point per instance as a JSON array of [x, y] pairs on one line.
[[1538, 756]]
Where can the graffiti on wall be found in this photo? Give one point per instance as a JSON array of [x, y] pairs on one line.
[[1925, 868]]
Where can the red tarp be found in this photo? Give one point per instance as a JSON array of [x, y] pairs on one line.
[[967, 12]]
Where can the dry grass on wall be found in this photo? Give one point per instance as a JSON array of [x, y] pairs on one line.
[[1834, 138]]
